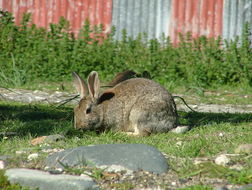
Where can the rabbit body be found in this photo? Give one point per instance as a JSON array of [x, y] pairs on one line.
[[137, 106]]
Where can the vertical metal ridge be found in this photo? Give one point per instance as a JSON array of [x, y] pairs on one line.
[[235, 15], [138, 16], [200, 17], [45, 12]]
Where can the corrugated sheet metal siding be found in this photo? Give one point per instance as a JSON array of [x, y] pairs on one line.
[[236, 13], [45, 12], [154, 17], [151, 17], [200, 17]]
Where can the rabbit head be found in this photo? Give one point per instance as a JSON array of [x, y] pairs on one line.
[[88, 114]]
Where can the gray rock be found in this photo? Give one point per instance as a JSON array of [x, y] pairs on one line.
[[246, 187], [220, 188], [38, 179], [244, 148], [54, 138], [131, 157]]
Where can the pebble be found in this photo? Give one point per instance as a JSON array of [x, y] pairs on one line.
[[2, 164], [222, 160], [173, 183], [237, 167], [32, 156], [180, 129], [179, 143], [20, 152], [56, 171], [221, 135]]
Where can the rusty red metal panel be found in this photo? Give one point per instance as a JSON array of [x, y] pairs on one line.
[[200, 17], [45, 12]]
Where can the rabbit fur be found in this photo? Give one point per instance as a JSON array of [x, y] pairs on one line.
[[137, 106]]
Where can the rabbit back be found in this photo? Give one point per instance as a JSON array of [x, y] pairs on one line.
[[140, 106]]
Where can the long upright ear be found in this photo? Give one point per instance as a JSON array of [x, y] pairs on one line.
[[80, 85], [93, 84], [120, 77]]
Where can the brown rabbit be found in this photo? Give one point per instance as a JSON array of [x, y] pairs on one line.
[[137, 106]]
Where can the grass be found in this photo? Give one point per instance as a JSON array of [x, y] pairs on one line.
[[200, 69], [29, 53], [203, 140]]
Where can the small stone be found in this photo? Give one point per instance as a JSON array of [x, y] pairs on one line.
[[173, 183], [222, 160], [21, 152], [221, 135], [237, 167], [244, 148], [56, 171], [2, 164], [179, 143], [32, 156], [47, 168], [180, 129]]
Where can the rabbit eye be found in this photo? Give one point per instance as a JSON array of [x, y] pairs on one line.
[[88, 110]]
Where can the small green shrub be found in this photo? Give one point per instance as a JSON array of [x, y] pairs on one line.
[[29, 53]]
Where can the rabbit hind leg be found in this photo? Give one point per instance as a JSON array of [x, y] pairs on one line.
[[137, 130]]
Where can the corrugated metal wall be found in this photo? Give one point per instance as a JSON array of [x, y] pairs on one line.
[[200, 17], [236, 14], [50, 11], [151, 17], [171, 17]]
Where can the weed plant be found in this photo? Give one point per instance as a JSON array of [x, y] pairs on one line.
[[29, 53]]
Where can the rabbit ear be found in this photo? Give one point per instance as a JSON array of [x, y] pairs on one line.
[[106, 95], [80, 85], [127, 74], [93, 84]]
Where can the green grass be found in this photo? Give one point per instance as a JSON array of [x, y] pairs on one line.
[[29, 53], [200, 69], [203, 140]]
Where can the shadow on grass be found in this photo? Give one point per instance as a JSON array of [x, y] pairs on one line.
[[195, 119], [36, 120], [39, 120]]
